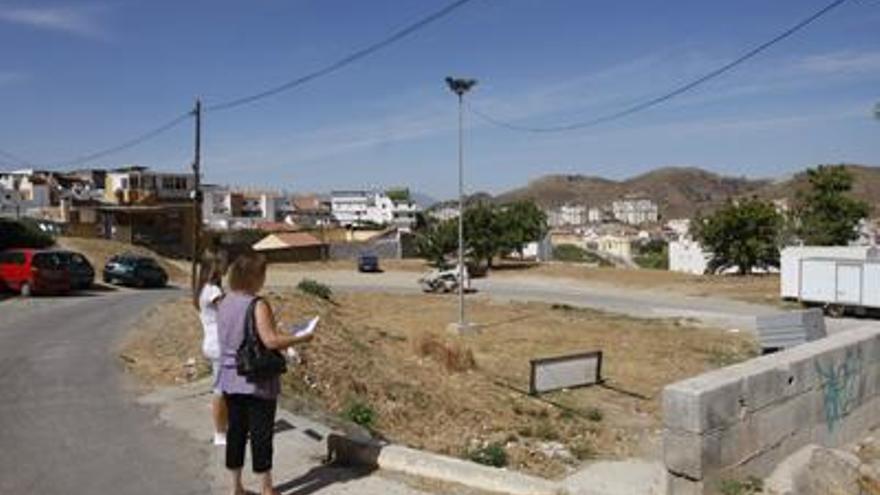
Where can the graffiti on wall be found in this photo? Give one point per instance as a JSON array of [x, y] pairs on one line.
[[840, 386]]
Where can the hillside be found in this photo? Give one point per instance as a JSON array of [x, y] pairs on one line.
[[679, 191]]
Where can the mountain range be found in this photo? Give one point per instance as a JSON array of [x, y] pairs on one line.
[[681, 191]]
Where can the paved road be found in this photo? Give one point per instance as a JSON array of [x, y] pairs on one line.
[[714, 311], [68, 419]]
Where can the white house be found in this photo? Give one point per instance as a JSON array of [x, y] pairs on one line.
[[614, 245], [32, 186], [635, 210], [443, 213], [679, 227], [135, 184], [567, 215], [595, 215], [11, 203], [688, 256], [354, 208]]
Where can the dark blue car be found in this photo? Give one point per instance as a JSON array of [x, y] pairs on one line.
[[139, 271], [368, 263]]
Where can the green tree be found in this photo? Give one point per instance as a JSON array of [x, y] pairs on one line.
[[825, 214], [483, 233], [520, 223], [436, 240], [744, 235]]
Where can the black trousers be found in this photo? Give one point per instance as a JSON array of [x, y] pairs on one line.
[[254, 417]]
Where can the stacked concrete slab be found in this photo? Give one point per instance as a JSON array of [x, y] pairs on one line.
[[742, 420]]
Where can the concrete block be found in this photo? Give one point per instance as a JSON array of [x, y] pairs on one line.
[[451, 470], [677, 485], [702, 407], [747, 418], [691, 454]]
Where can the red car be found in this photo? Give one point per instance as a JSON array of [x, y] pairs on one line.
[[33, 271]]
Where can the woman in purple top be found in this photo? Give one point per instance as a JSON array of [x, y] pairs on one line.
[[251, 405]]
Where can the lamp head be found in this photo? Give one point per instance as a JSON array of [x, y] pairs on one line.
[[460, 86]]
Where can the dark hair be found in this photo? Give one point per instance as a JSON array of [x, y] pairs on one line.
[[247, 272], [211, 270]]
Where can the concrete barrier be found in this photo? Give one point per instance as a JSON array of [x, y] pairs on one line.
[[743, 420]]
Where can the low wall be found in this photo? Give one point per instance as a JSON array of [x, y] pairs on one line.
[[743, 420]]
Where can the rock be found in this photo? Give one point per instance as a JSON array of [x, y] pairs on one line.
[[555, 450], [829, 472], [782, 480]]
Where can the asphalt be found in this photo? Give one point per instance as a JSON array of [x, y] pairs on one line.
[[69, 422]]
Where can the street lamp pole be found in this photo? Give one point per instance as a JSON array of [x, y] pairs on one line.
[[460, 87]]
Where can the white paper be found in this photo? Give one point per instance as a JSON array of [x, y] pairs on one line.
[[307, 329]]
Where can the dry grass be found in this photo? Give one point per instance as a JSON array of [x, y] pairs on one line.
[[761, 289], [98, 251], [167, 337], [448, 394]]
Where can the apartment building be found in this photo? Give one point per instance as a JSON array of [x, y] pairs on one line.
[[139, 185], [358, 208], [635, 210]]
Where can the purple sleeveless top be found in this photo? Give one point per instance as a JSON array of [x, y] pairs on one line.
[[231, 315]]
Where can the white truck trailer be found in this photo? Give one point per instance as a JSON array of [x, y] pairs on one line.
[[840, 285], [790, 263]]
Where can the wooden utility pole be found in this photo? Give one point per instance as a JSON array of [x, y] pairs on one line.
[[197, 195]]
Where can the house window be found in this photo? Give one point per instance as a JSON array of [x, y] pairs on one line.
[[167, 182], [123, 183]]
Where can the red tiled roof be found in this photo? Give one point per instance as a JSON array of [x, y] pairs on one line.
[[298, 239]]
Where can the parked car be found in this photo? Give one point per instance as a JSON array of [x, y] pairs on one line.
[[33, 271], [368, 263], [82, 274], [131, 269]]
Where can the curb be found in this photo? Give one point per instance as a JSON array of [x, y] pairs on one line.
[[437, 467]]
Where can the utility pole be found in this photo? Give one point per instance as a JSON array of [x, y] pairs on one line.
[[460, 87], [197, 194]]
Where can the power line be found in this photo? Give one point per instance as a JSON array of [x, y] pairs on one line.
[[667, 96], [146, 136], [347, 60], [333, 67]]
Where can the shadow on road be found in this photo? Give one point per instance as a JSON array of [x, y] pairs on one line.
[[321, 477]]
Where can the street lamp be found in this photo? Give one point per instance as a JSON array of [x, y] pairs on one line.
[[461, 86]]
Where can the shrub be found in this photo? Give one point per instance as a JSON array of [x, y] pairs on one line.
[[751, 486], [583, 450], [545, 431], [491, 455], [595, 414], [454, 356], [315, 288], [360, 413]]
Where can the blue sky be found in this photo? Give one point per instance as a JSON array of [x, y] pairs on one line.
[[76, 77]]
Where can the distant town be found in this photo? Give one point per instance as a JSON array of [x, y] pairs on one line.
[[137, 205]]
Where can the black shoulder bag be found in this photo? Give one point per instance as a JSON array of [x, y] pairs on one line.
[[253, 360]]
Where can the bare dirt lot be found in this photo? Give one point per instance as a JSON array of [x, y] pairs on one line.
[[389, 357], [762, 289]]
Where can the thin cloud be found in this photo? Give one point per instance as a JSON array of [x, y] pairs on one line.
[[77, 21], [842, 62]]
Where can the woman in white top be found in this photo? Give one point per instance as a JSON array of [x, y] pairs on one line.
[[208, 295]]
